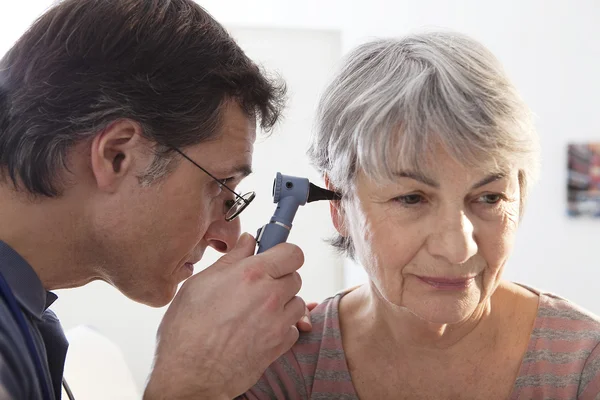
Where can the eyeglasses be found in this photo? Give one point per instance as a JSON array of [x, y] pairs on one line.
[[233, 208]]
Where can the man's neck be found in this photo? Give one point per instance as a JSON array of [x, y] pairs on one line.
[[45, 234]]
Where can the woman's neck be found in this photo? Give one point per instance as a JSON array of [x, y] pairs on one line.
[[366, 310]]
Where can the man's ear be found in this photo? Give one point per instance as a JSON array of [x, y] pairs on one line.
[[114, 153], [336, 210]]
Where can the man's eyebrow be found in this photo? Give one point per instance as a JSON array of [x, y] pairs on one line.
[[417, 177], [489, 179], [241, 170]]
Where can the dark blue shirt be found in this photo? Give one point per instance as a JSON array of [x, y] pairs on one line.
[[18, 378]]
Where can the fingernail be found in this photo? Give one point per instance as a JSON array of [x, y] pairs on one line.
[[244, 237], [305, 319]]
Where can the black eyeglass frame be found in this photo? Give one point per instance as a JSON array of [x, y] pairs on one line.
[[240, 200]]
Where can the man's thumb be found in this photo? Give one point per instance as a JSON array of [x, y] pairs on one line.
[[244, 248]]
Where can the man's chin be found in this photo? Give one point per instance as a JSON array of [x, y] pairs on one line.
[[157, 298], [158, 303]]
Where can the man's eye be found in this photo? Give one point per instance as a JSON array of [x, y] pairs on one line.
[[229, 203], [222, 182]]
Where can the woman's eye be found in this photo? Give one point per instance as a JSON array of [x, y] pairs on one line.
[[491, 198], [410, 199]]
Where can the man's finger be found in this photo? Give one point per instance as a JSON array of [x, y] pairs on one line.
[[282, 259], [305, 324], [294, 310], [289, 286], [289, 340], [244, 248]]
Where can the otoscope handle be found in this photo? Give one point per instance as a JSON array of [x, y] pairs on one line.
[[278, 228], [271, 234]]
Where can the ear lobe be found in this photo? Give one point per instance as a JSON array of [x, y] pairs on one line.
[[115, 152], [336, 210]]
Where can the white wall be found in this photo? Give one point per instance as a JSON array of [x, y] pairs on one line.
[[549, 48]]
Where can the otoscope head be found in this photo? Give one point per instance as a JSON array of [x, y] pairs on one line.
[[317, 193], [291, 186], [289, 192], [301, 189]]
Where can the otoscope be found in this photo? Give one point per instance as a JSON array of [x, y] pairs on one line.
[[289, 192]]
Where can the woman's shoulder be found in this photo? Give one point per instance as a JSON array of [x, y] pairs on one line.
[[564, 349], [563, 326], [562, 314], [325, 336], [558, 313], [292, 375], [324, 319]]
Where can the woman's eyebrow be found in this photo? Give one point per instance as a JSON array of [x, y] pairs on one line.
[[417, 176], [489, 179]]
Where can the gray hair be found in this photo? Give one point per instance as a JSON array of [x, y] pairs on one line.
[[395, 99]]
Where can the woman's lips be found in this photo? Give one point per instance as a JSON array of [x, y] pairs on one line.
[[445, 283]]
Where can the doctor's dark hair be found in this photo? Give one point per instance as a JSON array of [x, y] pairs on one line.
[[166, 64]]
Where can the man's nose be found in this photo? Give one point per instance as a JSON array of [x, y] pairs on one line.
[[223, 235]]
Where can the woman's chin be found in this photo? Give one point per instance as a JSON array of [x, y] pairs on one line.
[[441, 309], [447, 304], [443, 315]]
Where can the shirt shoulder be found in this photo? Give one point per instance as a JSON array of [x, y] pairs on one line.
[[563, 357], [561, 322], [292, 375], [15, 371]]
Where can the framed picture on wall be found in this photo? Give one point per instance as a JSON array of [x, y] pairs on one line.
[[583, 180]]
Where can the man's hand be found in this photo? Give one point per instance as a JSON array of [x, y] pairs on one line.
[[228, 323], [304, 324]]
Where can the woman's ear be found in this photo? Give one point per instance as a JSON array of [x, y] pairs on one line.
[[336, 210]]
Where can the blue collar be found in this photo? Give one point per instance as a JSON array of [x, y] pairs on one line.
[[24, 282]]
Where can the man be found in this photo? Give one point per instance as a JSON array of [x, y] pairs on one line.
[[125, 126]]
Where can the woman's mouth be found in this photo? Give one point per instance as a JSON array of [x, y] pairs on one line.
[[444, 283]]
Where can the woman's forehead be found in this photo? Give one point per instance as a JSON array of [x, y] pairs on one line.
[[430, 162], [443, 165]]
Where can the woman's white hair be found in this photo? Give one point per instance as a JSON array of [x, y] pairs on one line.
[[395, 99]]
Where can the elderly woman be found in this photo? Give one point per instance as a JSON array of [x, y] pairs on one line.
[[433, 153]]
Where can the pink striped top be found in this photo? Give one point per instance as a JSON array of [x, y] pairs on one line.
[[561, 362]]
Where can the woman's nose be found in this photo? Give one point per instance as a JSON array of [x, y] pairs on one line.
[[454, 239]]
